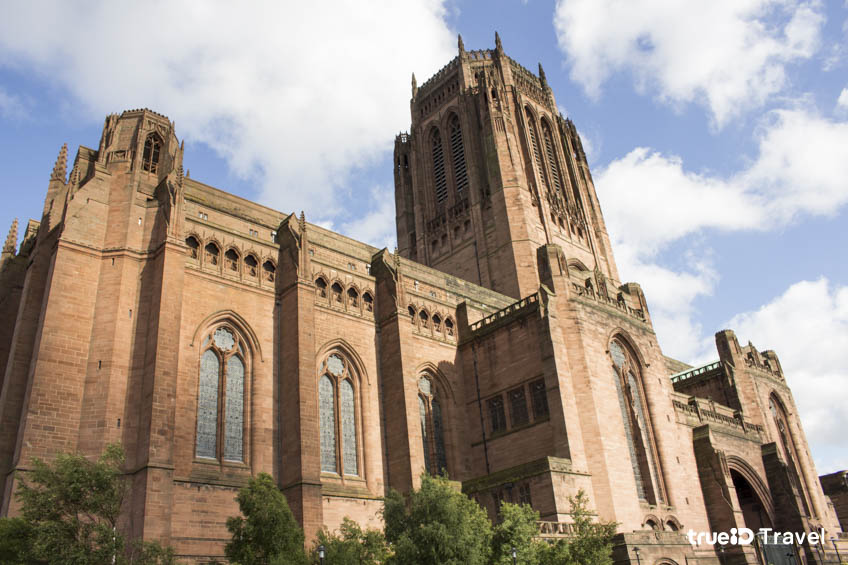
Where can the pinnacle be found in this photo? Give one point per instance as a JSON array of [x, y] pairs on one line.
[[12, 238], [61, 166]]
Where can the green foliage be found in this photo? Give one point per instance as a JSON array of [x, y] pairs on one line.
[[591, 542], [267, 534], [518, 528], [436, 526], [69, 515], [15, 540], [351, 546]]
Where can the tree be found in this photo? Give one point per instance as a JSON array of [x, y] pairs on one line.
[[437, 525], [590, 543], [352, 545], [518, 528], [267, 534], [69, 515]]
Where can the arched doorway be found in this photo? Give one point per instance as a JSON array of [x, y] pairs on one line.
[[754, 511]]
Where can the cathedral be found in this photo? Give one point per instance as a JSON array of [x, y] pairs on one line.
[[215, 339]]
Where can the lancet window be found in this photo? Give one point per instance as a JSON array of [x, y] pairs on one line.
[[338, 414], [432, 427], [221, 395], [637, 425]]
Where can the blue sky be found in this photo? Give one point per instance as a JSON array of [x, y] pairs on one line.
[[717, 134]]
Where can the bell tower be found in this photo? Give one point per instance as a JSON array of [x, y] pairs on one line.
[[489, 172]]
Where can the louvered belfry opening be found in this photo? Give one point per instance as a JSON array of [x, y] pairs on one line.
[[552, 160], [439, 168], [458, 156], [534, 145]]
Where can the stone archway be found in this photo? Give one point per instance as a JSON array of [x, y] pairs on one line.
[[754, 510]]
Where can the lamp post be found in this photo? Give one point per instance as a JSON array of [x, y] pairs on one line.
[[514, 555], [321, 551], [636, 551], [836, 549]]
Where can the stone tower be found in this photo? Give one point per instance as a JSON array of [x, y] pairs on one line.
[[491, 171]]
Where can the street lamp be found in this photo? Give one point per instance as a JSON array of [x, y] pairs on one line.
[[321, 551], [836, 549], [636, 551], [514, 555]]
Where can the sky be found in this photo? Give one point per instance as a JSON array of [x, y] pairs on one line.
[[717, 133]]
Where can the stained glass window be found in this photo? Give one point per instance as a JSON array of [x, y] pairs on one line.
[[348, 428], [438, 436], [422, 412], [225, 389], [497, 417], [207, 405], [539, 397], [224, 339], [518, 407], [234, 422], [634, 418], [335, 365], [424, 385], [326, 399]]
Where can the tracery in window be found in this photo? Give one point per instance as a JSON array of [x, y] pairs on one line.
[[634, 415], [321, 287], [425, 319], [337, 414], [193, 246], [439, 177], [212, 253], [449, 327], [250, 265], [458, 155], [411, 311], [150, 156], [352, 298], [437, 323], [221, 382], [497, 416], [432, 427], [790, 452], [539, 398], [231, 260], [368, 301], [269, 271], [518, 407], [337, 293]]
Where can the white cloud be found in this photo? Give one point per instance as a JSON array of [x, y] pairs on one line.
[[377, 226], [11, 106], [842, 101], [808, 328], [294, 95], [651, 200], [728, 55]]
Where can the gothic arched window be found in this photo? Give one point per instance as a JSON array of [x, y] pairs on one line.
[[337, 414], [221, 385], [193, 246], [432, 429], [787, 442], [550, 153], [150, 157], [250, 265], [534, 146], [635, 417], [458, 155], [439, 177], [212, 253]]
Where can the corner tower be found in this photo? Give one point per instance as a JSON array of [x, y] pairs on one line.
[[489, 172]]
